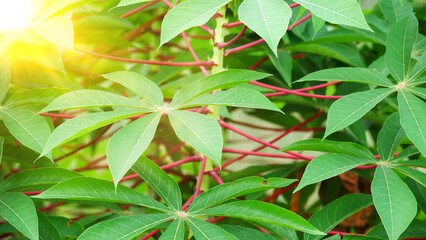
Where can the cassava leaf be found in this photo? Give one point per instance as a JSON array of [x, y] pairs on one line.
[[389, 137], [207, 231]]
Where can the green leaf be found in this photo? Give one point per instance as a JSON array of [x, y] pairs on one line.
[[414, 163], [1, 147], [413, 119], [399, 45], [57, 5], [347, 148], [389, 137], [419, 192], [83, 124], [47, 230], [317, 24], [5, 74], [92, 189], [188, 14], [164, 185], [35, 96], [415, 230], [130, 226], [407, 152], [67, 227], [237, 188], [207, 231], [418, 69], [421, 92], [89, 99], [244, 233], [287, 233], [235, 97], [327, 166], [175, 231], [37, 178], [262, 212], [416, 175], [27, 127], [337, 211], [213, 82], [283, 63], [349, 74], [269, 19], [18, 209], [393, 10], [393, 200], [200, 131], [130, 2], [139, 84], [352, 107], [129, 143], [58, 30], [346, 12]]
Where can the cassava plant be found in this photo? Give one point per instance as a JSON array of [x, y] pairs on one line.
[[121, 119]]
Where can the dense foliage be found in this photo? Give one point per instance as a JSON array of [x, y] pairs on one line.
[[213, 119]]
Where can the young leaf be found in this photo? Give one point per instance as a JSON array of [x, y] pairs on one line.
[[130, 226], [164, 185], [139, 84], [175, 231], [89, 99], [394, 11], [200, 131], [27, 127], [416, 175], [337, 211], [207, 231], [58, 30], [393, 200], [128, 144], [213, 82], [35, 96], [269, 19], [46, 228], [235, 97], [329, 146], [399, 45], [244, 233], [389, 137], [346, 12], [413, 119], [83, 124], [237, 188], [327, 166], [262, 212], [352, 107], [283, 63], [5, 74], [37, 178], [92, 189], [18, 209], [349, 74], [188, 14]]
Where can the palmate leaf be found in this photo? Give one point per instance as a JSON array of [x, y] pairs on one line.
[[327, 166], [389, 137], [138, 84], [393, 200], [5, 74], [27, 127], [235, 97], [244, 233], [37, 178], [418, 69], [269, 19], [200, 131], [90, 99], [337, 211], [237, 188], [83, 124], [329, 146], [416, 175], [413, 119], [207, 231], [352, 107], [129, 227], [349, 74], [175, 231], [421, 92], [58, 30], [128, 144], [188, 14], [92, 189], [18, 209], [164, 185], [346, 12], [399, 45], [262, 212], [219, 80]]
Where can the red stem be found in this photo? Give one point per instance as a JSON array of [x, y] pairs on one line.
[[272, 155], [216, 177], [194, 55], [150, 235], [294, 92], [139, 9], [222, 45], [200, 176]]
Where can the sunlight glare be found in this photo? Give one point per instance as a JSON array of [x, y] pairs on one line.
[[14, 14]]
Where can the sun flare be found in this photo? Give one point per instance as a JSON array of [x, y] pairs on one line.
[[14, 14]]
